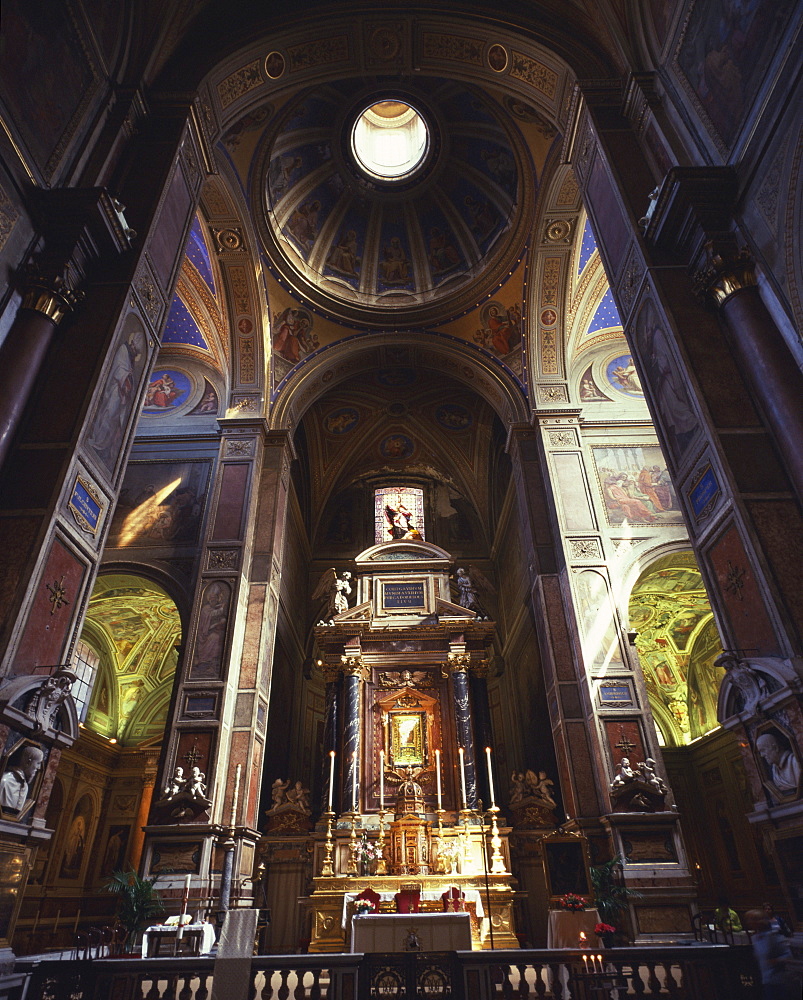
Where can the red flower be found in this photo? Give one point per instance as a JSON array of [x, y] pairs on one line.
[[600, 929]]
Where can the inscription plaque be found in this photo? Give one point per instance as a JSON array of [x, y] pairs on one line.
[[403, 595]]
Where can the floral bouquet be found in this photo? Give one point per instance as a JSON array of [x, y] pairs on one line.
[[363, 906], [571, 901], [601, 929]]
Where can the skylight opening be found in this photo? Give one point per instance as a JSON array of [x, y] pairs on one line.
[[390, 140]]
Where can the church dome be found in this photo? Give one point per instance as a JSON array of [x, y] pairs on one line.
[[403, 197]]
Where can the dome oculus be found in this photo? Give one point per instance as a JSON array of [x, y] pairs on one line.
[[390, 140]]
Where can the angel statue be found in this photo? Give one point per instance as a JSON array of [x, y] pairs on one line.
[[336, 590], [469, 586]]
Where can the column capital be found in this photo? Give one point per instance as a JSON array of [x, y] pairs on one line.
[[724, 273], [458, 660], [329, 671], [49, 294], [482, 669], [352, 665]]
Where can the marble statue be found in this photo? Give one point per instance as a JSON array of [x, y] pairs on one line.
[[48, 698], [469, 584], [624, 775], [184, 797], [540, 788], [18, 777], [783, 765], [288, 797], [750, 683], [649, 775], [336, 590]]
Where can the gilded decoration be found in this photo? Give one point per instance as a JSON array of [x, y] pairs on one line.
[[539, 76], [239, 83], [456, 48]]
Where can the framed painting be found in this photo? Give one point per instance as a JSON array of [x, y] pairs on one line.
[[407, 739], [566, 865]]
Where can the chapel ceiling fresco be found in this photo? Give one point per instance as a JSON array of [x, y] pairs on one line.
[[402, 421], [677, 644], [136, 629]]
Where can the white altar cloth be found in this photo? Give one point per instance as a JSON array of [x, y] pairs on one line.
[[386, 932], [164, 931], [472, 896]]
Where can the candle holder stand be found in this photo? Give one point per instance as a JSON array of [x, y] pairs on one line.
[[497, 861], [353, 867], [327, 870], [381, 864], [440, 866], [467, 862]]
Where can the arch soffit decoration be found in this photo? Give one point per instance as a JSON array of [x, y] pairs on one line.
[[344, 360]]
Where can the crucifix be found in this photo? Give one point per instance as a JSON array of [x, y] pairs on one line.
[[192, 756], [624, 743]]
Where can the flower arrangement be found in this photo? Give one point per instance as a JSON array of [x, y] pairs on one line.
[[571, 901], [600, 929], [363, 906]]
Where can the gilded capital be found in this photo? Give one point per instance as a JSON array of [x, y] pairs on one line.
[[458, 662], [352, 665], [482, 669], [50, 296], [724, 274], [329, 671]]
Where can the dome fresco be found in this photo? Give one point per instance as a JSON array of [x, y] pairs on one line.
[[400, 243]]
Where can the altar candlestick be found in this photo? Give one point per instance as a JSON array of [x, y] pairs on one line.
[[490, 778], [331, 777], [354, 784], [438, 776], [461, 754], [382, 780]]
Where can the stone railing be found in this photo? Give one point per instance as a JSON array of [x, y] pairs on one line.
[[686, 973]]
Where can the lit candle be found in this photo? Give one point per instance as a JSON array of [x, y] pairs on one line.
[[490, 777], [331, 777], [461, 754], [438, 775], [585, 962], [354, 782], [236, 795], [599, 959], [382, 780]]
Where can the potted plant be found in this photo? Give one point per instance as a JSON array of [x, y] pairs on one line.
[[572, 902], [610, 892], [363, 907], [606, 933], [137, 901]]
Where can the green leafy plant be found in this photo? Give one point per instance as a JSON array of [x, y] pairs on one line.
[[609, 890], [138, 901]]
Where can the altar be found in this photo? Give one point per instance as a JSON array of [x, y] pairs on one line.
[[391, 932], [408, 793]]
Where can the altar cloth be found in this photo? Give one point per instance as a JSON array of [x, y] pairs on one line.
[[388, 932]]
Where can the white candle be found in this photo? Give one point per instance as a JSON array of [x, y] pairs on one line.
[[490, 777], [403, 850], [354, 782], [382, 780], [331, 777], [438, 775], [77, 918], [461, 754], [236, 795]]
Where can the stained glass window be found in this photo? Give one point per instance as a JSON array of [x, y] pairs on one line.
[[398, 514]]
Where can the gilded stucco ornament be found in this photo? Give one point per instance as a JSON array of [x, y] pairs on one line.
[[724, 274]]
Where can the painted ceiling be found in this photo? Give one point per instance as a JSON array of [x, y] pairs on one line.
[[677, 644], [135, 627]]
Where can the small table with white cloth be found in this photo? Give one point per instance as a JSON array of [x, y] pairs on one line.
[[199, 937], [564, 928]]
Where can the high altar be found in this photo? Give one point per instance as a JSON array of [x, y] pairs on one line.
[[407, 725]]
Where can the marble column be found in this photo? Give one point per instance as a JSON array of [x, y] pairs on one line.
[[331, 721], [45, 304], [457, 664], [765, 362], [353, 673], [481, 717]]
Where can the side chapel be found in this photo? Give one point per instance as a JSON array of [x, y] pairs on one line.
[[401, 460]]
